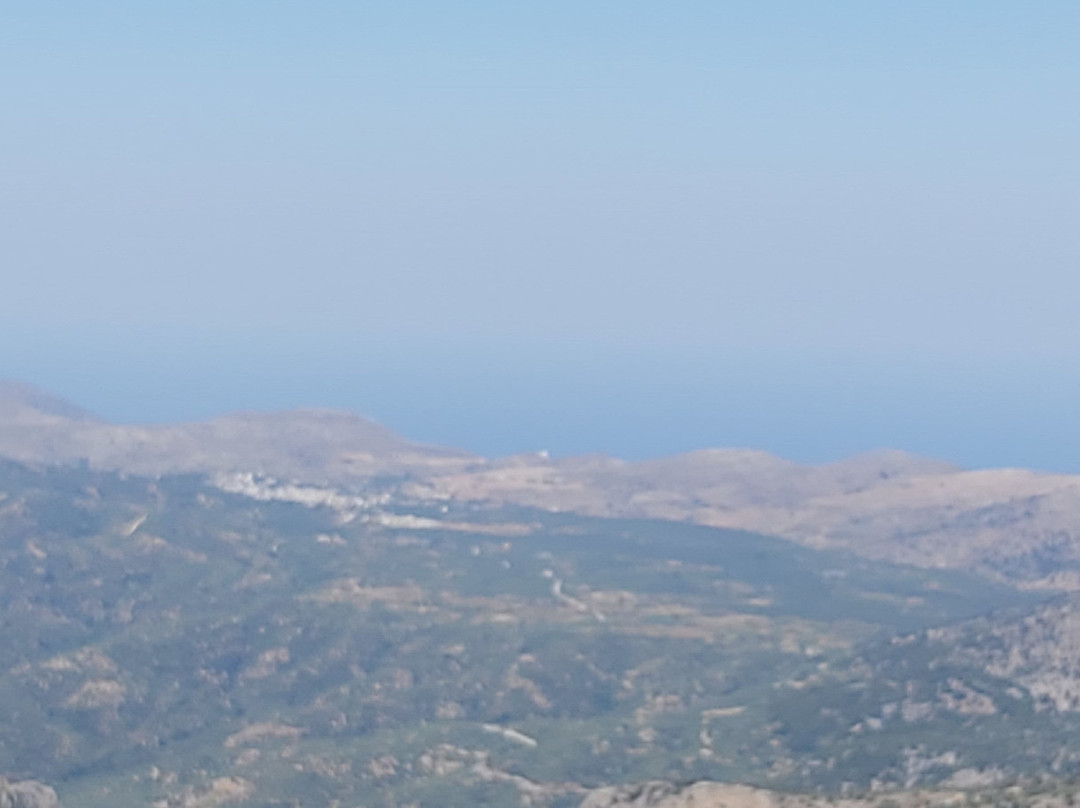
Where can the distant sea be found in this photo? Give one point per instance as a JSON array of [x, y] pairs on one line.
[[496, 398]]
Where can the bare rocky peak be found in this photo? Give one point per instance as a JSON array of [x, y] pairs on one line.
[[22, 402], [758, 476], [717, 466], [27, 794], [872, 468], [304, 432], [308, 444]]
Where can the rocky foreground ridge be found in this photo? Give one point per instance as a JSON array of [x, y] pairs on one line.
[[706, 794], [27, 794]]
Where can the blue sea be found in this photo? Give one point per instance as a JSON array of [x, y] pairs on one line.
[[498, 398]]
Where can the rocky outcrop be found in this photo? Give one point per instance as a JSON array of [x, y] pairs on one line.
[[711, 794], [660, 794], [27, 794], [218, 792], [641, 795], [1039, 651]]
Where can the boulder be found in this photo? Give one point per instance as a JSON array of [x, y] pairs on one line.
[[27, 794]]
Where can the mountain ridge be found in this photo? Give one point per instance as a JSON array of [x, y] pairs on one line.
[[21, 400], [249, 638], [1015, 525], [312, 442]]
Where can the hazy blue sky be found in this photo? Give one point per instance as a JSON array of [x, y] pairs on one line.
[[638, 227]]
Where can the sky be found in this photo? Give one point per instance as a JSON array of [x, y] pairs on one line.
[[632, 227]]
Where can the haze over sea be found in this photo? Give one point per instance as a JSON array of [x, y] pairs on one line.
[[634, 403], [627, 227]]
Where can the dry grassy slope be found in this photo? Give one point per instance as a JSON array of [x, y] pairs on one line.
[[1008, 523], [23, 403], [306, 444]]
